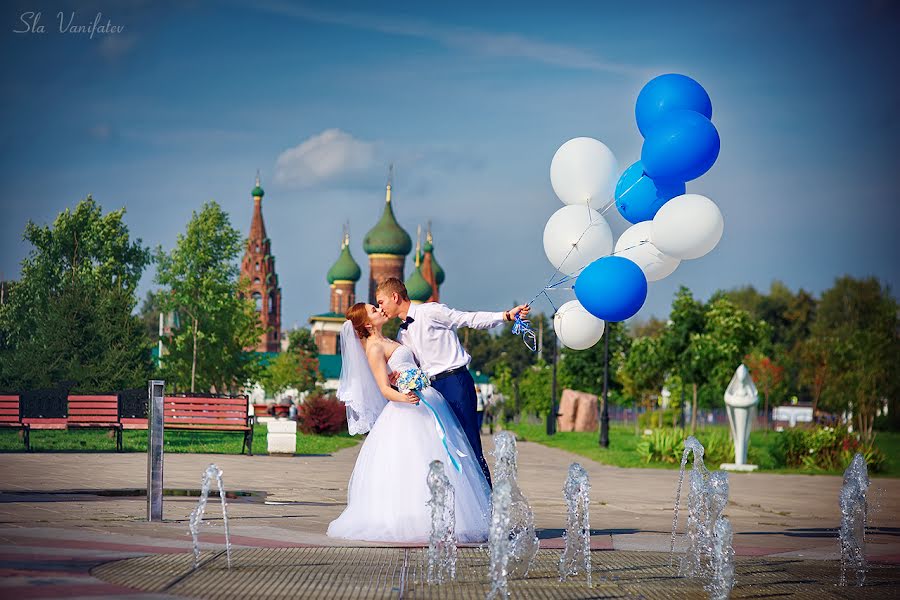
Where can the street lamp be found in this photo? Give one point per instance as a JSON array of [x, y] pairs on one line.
[[604, 412], [551, 415]]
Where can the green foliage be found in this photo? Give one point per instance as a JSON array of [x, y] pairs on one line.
[[826, 448], [653, 419], [534, 389], [667, 445], [582, 370], [69, 316], [217, 323], [297, 367]]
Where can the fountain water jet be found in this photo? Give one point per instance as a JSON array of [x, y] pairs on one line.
[[853, 520], [691, 444], [577, 554], [523, 541], [442, 542], [498, 539], [196, 518], [718, 549]]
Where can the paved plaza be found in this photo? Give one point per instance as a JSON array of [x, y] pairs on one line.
[[66, 517]]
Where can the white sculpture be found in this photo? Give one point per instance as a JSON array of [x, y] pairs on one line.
[[740, 402]]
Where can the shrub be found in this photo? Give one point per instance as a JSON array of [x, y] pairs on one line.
[[322, 414], [827, 448], [663, 445], [667, 445]]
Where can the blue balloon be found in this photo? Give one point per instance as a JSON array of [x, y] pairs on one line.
[[612, 288], [638, 197], [682, 146], [666, 93]]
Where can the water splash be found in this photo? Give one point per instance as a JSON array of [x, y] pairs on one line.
[[853, 520], [523, 541], [722, 582], [498, 539], [441, 553], [718, 549], [577, 555], [196, 518], [691, 444]]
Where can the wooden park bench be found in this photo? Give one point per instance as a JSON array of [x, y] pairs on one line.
[[89, 411], [11, 416], [209, 414]]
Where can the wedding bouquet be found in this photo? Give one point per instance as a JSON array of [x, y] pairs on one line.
[[413, 380]]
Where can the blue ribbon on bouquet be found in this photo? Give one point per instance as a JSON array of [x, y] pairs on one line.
[[439, 426], [523, 328]]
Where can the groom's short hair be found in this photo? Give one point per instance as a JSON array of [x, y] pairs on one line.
[[392, 285]]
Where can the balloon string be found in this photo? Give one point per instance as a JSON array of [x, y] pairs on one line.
[[637, 181]]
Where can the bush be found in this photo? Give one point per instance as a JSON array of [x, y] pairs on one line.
[[322, 414], [827, 448]]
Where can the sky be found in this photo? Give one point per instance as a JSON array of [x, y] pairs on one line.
[[469, 101]]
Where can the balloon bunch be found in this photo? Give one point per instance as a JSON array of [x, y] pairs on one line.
[[680, 144]]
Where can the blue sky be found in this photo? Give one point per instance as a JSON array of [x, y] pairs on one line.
[[470, 102]]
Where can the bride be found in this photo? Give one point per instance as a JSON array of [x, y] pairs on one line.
[[387, 495]]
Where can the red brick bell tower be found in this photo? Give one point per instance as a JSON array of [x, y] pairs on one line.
[[258, 267]]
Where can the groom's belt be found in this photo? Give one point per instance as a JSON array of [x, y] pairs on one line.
[[449, 372]]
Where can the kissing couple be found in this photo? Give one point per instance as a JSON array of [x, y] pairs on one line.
[[417, 401]]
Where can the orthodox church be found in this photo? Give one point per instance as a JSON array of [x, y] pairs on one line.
[[387, 245]]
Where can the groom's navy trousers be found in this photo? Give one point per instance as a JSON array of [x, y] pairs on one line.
[[459, 391]]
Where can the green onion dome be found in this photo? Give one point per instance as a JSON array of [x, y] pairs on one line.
[[257, 191], [387, 237], [345, 268], [418, 289], [436, 269]]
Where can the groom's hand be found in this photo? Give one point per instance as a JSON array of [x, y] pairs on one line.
[[393, 376], [521, 310]]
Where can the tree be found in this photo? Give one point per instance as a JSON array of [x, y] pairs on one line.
[[815, 372], [217, 322], [643, 372], [583, 369], [858, 318], [534, 387], [68, 318], [686, 319], [767, 375], [297, 367]]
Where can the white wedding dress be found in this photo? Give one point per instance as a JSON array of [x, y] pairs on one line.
[[387, 495]]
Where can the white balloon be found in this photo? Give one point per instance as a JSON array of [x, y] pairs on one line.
[[576, 236], [635, 245], [687, 226], [575, 327], [584, 171]]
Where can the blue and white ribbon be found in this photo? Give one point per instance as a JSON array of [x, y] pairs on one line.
[[523, 327], [442, 433]]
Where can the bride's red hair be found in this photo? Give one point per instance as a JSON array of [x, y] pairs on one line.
[[358, 315]]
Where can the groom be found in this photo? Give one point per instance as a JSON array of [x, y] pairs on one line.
[[430, 331]]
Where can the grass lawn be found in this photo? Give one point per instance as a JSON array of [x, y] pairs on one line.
[[623, 441], [201, 442]]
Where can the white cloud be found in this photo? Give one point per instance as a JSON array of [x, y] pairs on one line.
[[322, 157]]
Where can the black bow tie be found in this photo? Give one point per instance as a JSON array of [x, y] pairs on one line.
[[406, 323]]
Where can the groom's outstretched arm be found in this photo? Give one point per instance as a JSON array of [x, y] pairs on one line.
[[450, 317]]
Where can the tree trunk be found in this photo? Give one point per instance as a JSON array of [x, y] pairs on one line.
[[766, 415], [194, 360], [694, 409]]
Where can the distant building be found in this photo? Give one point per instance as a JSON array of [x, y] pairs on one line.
[[387, 245], [258, 270]]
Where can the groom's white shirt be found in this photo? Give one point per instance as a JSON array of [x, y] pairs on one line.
[[432, 334]]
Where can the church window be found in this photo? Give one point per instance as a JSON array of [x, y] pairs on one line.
[[257, 299]]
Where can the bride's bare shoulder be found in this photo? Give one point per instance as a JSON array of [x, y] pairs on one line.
[[376, 348]]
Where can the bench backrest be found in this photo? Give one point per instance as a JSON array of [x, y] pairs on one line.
[[9, 409], [226, 412], [93, 408]]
